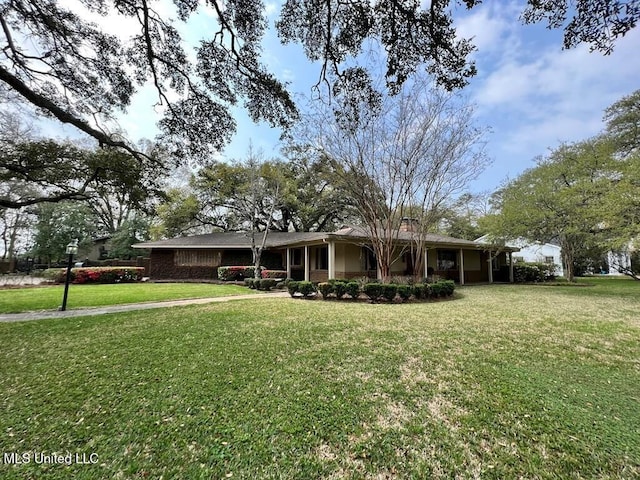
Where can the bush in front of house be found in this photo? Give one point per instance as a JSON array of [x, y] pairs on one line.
[[278, 274], [325, 289], [265, 284], [352, 289], [533, 272], [306, 288], [96, 275], [339, 288], [389, 291], [405, 291], [236, 273], [373, 290], [292, 287]]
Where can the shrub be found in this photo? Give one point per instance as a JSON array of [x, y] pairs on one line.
[[248, 282], [531, 272], [389, 291], [236, 273], [279, 274], [436, 289], [339, 288], [422, 291], [265, 284], [447, 287], [306, 288], [373, 290], [292, 287], [352, 289], [325, 289], [97, 274], [405, 291]]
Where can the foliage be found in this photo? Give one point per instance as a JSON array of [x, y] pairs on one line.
[[325, 289], [59, 171], [306, 288], [405, 291], [389, 291], [80, 74], [352, 289], [265, 284], [84, 76], [561, 199], [273, 273], [295, 194], [293, 287], [97, 274], [59, 223], [340, 288], [235, 273], [534, 272], [404, 159], [177, 215], [373, 290], [133, 230]]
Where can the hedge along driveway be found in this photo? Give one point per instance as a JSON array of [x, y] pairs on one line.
[[50, 297]]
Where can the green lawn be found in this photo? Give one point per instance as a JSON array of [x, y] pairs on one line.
[[50, 297], [504, 382]]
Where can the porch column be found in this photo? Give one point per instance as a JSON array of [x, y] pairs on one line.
[[511, 267], [307, 273], [426, 262], [288, 262], [332, 259], [490, 262], [461, 267]]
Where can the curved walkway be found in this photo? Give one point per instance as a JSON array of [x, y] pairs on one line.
[[83, 312]]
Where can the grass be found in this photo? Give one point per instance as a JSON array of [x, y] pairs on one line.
[[50, 297], [504, 382]]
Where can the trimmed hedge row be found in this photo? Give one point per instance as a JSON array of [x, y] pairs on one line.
[[374, 291], [236, 273], [265, 284], [239, 273], [96, 274]]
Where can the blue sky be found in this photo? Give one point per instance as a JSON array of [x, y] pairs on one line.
[[531, 94]]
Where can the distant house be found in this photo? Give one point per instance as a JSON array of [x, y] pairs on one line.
[[535, 252], [319, 256], [98, 249]]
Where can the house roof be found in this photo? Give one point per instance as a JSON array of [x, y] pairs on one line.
[[242, 240]]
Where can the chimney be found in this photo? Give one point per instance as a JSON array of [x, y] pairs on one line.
[[408, 224]]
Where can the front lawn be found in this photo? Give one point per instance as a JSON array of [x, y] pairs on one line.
[[27, 299], [504, 382]]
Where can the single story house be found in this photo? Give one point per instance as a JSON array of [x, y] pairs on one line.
[[319, 256]]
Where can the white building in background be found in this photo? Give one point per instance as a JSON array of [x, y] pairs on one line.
[[551, 253], [534, 252]]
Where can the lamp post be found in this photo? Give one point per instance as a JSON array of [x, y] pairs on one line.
[[72, 249]]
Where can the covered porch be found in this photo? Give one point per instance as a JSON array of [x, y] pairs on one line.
[[321, 261]]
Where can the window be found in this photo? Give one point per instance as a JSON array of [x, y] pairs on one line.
[[296, 257], [447, 259], [322, 258], [548, 260], [369, 259], [197, 258]]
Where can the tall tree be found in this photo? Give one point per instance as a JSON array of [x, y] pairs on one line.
[[59, 223], [404, 159], [623, 123], [61, 62], [307, 199], [560, 200]]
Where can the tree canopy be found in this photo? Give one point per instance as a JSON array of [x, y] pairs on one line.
[[56, 57]]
